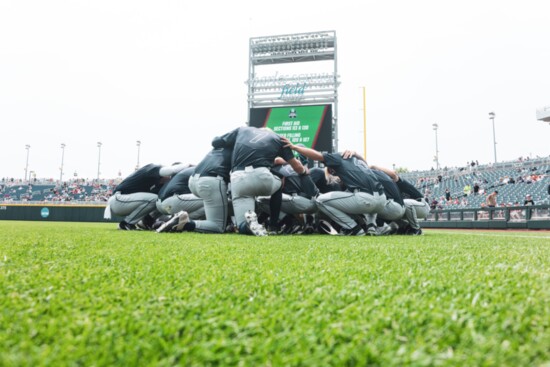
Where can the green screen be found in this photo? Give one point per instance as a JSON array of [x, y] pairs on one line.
[[300, 125]]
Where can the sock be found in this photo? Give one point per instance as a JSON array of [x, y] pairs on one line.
[[275, 203]]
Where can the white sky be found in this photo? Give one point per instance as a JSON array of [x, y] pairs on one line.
[[172, 75]]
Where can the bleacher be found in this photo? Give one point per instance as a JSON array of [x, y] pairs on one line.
[[489, 178], [44, 191], [431, 183]]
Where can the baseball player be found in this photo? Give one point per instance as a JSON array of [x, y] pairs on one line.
[[176, 196], [135, 197], [364, 195], [416, 207], [324, 181], [254, 153], [209, 183], [299, 193]]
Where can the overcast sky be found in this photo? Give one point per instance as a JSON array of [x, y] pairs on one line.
[[172, 75]]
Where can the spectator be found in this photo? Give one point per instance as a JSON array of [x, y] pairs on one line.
[[476, 189], [447, 194], [528, 200], [491, 200]]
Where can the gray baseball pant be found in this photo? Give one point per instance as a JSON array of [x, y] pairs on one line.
[[213, 192], [246, 185], [338, 205], [415, 210], [132, 206], [190, 203]]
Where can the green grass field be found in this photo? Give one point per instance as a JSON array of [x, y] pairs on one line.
[[85, 294]]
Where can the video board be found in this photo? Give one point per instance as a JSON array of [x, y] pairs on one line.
[[307, 125]]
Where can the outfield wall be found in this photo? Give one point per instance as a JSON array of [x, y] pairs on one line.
[[515, 217], [48, 212], [524, 217]]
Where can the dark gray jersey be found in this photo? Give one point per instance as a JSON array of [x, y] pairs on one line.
[[354, 173], [216, 163], [390, 188], [253, 147], [178, 185], [408, 190], [320, 180], [145, 179], [296, 184]]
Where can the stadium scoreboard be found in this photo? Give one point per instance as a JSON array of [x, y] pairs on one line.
[[307, 125]]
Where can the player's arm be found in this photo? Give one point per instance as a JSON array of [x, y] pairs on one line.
[[352, 153], [394, 176], [310, 153], [298, 167], [226, 140], [172, 170]]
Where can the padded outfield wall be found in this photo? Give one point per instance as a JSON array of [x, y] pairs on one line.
[[532, 217], [54, 213]]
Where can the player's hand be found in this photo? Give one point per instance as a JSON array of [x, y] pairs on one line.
[[287, 143], [348, 154]]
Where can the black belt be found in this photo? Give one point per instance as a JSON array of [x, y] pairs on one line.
[[211, 174]]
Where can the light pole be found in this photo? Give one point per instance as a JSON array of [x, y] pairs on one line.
[[435, 127], [28, 147], [98, 158], [138, 143], [62, 159], [492, 117]]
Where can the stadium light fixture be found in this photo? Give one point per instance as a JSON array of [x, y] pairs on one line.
[[435, 127], [138, 143], [492, 117], [27, 147], [62, 159], [99, 144]]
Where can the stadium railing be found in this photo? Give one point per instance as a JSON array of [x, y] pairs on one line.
[[515, 217]]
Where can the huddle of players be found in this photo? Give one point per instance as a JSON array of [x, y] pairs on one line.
[[252, 170]]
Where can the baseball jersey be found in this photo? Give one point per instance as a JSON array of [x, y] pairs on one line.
[[216, 163], [354, 173], [294, 183], [408, 190], [178, 185], [320, 180], [253, 147], [390, 188], [145, 179]]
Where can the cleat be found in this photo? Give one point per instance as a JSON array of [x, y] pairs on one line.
[[124, 226], [273, 230], [175, 224], [295, 229], [387, 230], [326, 228], [371, 230], [252, 223], [146, 223], [413, 232], [355, 231], [308, 229]]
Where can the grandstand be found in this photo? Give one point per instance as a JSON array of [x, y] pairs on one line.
[[513, 180], [46, 191]]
